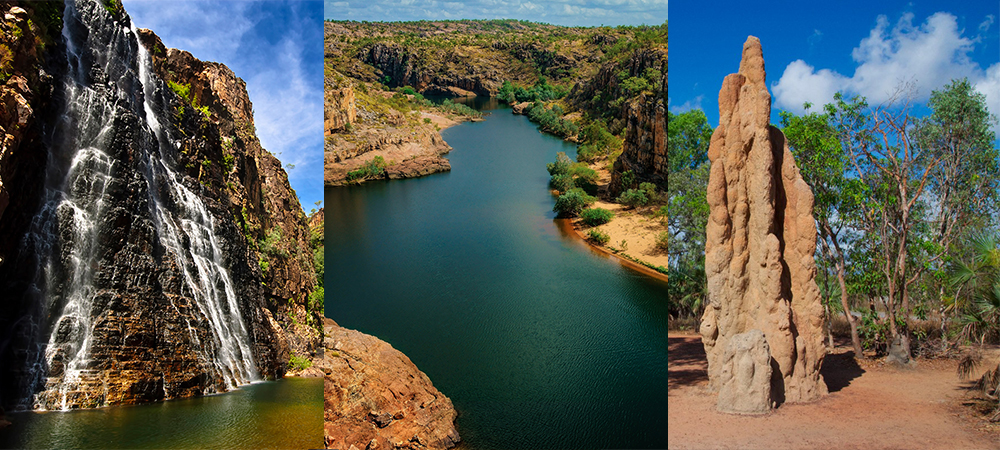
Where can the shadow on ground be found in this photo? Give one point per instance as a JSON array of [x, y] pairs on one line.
[[839, 369], [687, 364]]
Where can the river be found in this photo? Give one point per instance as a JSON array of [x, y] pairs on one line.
[[538, 341]]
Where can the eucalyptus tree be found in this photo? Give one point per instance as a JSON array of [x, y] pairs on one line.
[[814, 141]]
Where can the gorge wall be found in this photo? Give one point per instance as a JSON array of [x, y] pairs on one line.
[[155, 250], [760, 242], [644, 150]]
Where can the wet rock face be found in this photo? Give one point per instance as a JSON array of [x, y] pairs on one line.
[[760, 241], [745, 376], [644, 150], [376, 398], [150, 337]]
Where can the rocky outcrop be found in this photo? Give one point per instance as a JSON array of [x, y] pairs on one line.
[[455, 76], [375, 398], [745, 375], [760, 241], [417, 167], [340, 108], [644, 150]]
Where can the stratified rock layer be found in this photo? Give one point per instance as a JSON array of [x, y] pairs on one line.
[[760, 241], [376, 398]]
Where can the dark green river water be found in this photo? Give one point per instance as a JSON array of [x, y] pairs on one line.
[[539, 342], [285, 414]]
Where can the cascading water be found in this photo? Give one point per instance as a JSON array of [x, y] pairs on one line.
[[108, 73]]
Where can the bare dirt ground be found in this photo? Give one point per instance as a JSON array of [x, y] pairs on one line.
[[870, 406]]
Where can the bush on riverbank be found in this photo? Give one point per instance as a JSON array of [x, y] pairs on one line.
[[596, 216], [598, 237], [371, 169], [573, 202]]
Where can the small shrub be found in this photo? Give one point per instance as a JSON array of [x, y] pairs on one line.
[[598, 237], [633, 198], [297, 362], [572, 202], [596, 216], [371, 169], [427, 120], [661, 240], [561, 182], [316, 300], [561, 166]]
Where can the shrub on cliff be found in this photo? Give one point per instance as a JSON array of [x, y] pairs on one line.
[[371, 169], [573, 202], [596, 216], [297, 362]]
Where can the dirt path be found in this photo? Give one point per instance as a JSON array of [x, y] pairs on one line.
[[871, 407]]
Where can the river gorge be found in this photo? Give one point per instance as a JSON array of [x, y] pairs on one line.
[[538, 341]]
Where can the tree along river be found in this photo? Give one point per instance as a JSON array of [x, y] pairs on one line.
[[538, 341], [284, 414]]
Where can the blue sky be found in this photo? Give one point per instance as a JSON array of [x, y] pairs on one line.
[[277, 48], [556, 12], [814, 49]]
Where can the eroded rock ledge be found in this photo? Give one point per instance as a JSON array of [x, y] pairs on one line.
[[376, 398]]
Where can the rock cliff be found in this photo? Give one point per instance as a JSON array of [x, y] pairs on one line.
[[363, 123], [158, 251], [644, 150], [29, 63], [376, 398], [760, 241]]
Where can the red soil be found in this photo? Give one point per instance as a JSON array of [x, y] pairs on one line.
[[870, 406]]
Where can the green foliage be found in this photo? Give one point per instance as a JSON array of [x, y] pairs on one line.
[[562, 182], [374, 168], [560, 166], [297, 362], [511, 93], [598, 237], [596, 216], [573, 202], [633, 198], [316, 299], [461, 109], [113, 6], [597, 141], [549, 121], [662, 240], [271, 247], [183, 90]]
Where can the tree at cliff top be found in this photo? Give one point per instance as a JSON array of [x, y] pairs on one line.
[[760, 241]]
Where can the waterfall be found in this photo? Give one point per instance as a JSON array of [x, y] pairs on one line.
[[108, 72]]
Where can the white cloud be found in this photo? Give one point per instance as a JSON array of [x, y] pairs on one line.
[[985, 26], [929, 55], [694, 103]]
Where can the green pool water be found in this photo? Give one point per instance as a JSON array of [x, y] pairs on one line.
[[284, 414]]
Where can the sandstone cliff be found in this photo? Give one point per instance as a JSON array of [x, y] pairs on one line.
[[644, 150], [760, 241], [364, 123], [147, 206], [376, 398]]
